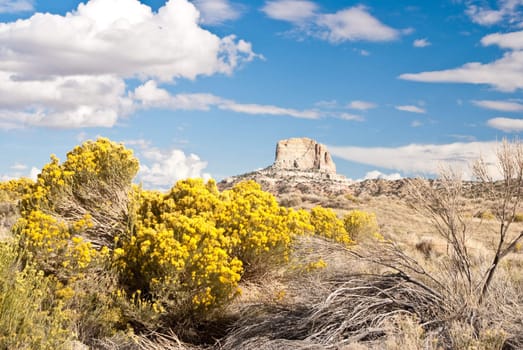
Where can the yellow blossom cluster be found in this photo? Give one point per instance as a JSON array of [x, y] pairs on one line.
[[195, 243], [103, 162], [49, 243], [62, 213], [361, 225], [13, 190], [258, 228], [327, 224]]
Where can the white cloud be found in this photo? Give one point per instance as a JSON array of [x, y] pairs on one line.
[[419, 158], [69, 71], [63, 101], [268, 110], [504, 106], [151, 96], [122, 37], [416, 123], [215, 12], [352, 117], [20, 170], [375, 174], [506, 124], [13, 6], [33, 174], [512, 40], [354, 24], [508, 11], [18, 166], [295, 11], [484, 16], [505, 74], [421, 43], [411, 109], [161, 168], [331, 104], [349, 24], [361, 105]]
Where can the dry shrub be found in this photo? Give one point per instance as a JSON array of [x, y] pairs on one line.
[[426, 247], [351, 309], [518, 217], [148, 341], [291, 201]]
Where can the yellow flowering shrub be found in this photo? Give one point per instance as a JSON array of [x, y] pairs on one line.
[[184, 258], [95, 179], [29, 316], [259, 229], [53, 245], [194, 244], [327, 224], [360, 225], [13, 190]]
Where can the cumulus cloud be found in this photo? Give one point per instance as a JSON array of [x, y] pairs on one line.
[[361, 105], [508, 11], [150, 95], [375, 174], [506, 124], [70, 71], [411, 109], [416, 159], [122, 37], [504, 106], [19, 170], [215, 12], [421, 43], [63, 101], [161, 168], [355, 24], [349, 24], [13, 6]]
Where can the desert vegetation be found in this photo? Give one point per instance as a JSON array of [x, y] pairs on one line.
[[91, 259]]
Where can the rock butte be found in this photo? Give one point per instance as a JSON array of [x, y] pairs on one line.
[[300, 165], [303, 154]]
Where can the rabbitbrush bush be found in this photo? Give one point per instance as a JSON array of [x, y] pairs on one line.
[[30, 317], [327, 224], [190, 247], [360, 225]]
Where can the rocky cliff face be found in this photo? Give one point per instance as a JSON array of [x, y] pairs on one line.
[[303, 154], [301, 165]]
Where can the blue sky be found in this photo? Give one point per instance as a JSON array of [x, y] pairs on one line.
[[207, 87]]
